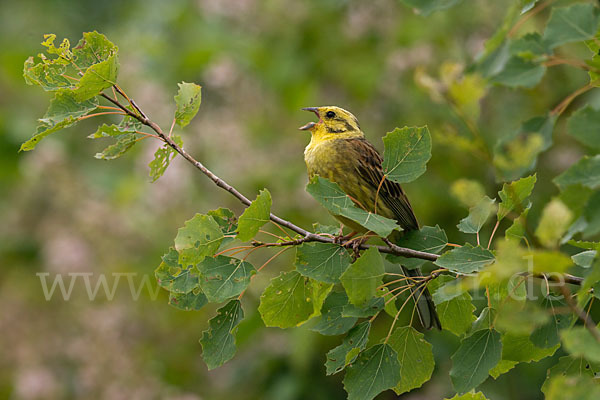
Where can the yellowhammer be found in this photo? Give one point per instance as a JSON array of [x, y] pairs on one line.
[[339, 152]]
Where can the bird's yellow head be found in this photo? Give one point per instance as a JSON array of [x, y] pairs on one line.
[[334, 122]]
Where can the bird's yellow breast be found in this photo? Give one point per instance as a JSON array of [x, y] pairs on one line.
[[339, 161]]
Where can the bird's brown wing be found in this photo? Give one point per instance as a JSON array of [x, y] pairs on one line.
[[391, 193]]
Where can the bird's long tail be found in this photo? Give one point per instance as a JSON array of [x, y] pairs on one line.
[[424, 302]]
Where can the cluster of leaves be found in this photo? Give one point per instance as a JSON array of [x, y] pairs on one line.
[[340, 292], [78, 77]]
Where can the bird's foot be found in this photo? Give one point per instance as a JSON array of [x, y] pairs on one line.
[[355, 244], [340, 238]]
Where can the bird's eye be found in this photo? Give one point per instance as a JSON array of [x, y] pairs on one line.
[[330, 114]]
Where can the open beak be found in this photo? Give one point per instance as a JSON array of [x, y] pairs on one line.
[[310, 125]]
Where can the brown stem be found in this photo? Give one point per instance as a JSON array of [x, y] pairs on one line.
[[562, 106], [587, 320]]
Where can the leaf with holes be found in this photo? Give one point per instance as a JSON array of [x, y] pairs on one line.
[[223, 277], [201, 236], [218, 342], [193, 300], [173, 276], [188, 100]]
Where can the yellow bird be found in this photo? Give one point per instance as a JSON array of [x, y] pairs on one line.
[[339, 151]]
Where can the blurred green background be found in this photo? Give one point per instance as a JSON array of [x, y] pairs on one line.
[[259, 62]]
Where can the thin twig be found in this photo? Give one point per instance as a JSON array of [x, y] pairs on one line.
[[562, 106], [587, 320], [493, 233]]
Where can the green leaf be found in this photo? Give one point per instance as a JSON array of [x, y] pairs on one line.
[[172, 276], [363, 276], [456, 315], [516, 154], [430, 239], [120, 147], [547, 335], [324, 262], [586, 172], [518, 228], [520, 73], [372, 307], [105, 131], [345, 353], [426, 7], [517, 349], [226, 220], [255, 216], [572, 387], [584, 125], [96, 78], [162, 159], [529, 46], [333, 198], [291, 299], [579, 342], [199, 237], [485, 320], [476, 356], [569, 366], [519, 317], [514, 194], [193, 300], [406, 153], [188, 100], [556, 219], [591, 213], [415, 356], [93, 48], [224, 277], [585, 258], [331, 321], [47, 75], [448, 289], [571, 24], [465, 259], [582, 244], [64, 111], [375, 370], [469, 396], [478, 215], [218, 342]]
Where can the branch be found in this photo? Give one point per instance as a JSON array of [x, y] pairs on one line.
[[587, 320], [307, 236]]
